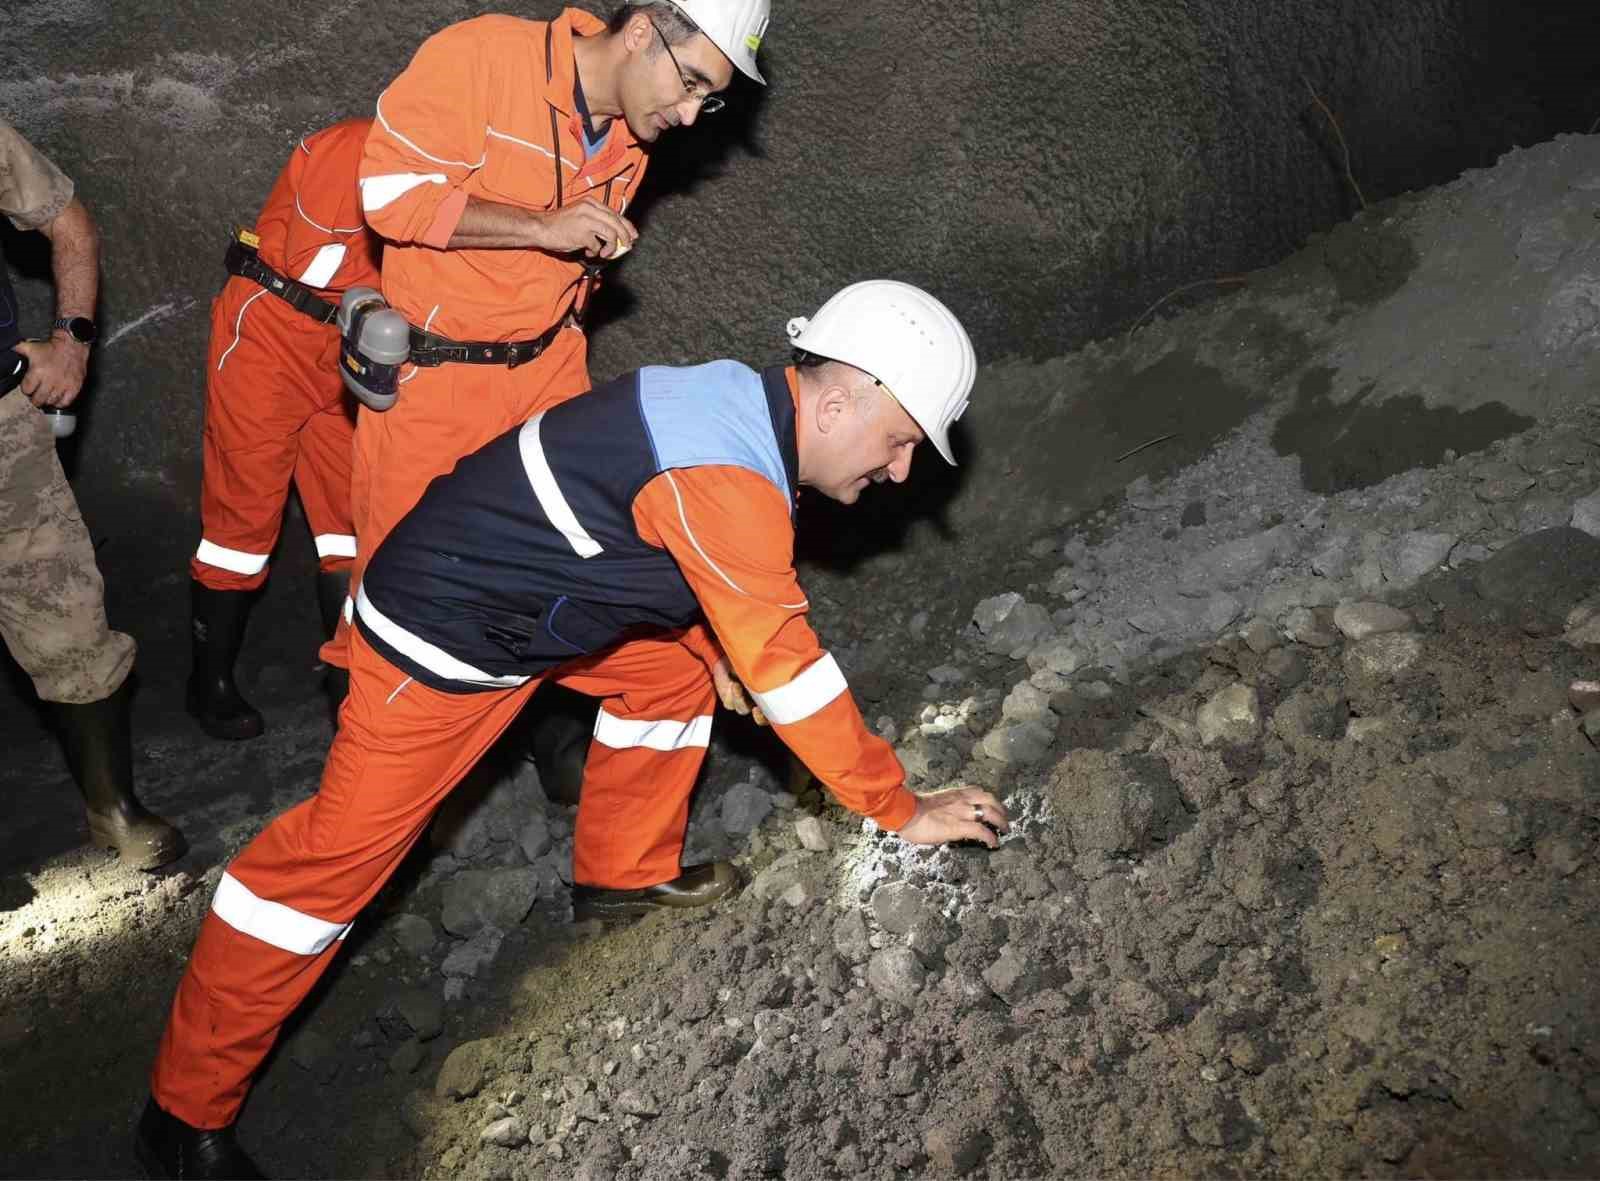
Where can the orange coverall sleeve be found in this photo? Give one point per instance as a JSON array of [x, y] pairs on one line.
[[700, 640], [328, 209], [429, 136], [729, 531]]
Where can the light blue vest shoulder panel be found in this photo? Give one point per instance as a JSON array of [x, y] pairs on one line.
[[677, 405]]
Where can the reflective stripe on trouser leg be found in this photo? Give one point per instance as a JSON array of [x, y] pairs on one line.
[[235, 561], [262, 385], [649, 743], [220, 1031], [400, 748], [322, 474], [335, 550]]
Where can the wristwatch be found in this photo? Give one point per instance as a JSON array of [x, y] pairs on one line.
[[80, 328]]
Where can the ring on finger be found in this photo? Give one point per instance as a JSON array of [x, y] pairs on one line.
[[977, 811]]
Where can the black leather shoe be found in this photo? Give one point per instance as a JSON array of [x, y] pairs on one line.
[[169, 1148], [699, 885]]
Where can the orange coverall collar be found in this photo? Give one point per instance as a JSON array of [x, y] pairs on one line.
[[792, 376], [564, 76]]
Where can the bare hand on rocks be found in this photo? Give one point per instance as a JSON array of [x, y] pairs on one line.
[[959, 814]]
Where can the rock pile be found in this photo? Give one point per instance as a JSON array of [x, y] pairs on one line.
[[1305, 787]]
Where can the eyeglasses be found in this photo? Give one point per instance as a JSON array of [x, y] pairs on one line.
[[710, 104]]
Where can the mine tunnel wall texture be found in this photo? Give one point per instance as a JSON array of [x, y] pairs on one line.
[[1049, 168]]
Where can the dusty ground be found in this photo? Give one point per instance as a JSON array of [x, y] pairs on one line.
[[1304, 881]]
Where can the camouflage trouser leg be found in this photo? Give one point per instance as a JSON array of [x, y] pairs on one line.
[[52, 601]]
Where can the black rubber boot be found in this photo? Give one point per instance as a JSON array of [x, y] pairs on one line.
[[169, 1148], [216, 624], [333, 588], [560, 744], [99, 750]]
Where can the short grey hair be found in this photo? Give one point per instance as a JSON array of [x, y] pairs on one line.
[[859, 382], [676, 28]]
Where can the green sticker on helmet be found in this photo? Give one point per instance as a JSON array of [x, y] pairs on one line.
[[752, 42]]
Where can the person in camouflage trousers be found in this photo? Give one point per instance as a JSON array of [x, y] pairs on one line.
[[52, 599]]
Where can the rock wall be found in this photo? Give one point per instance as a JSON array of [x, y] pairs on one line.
[[1051, 168]]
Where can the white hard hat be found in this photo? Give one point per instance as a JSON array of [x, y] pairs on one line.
[[733, 26], [906, 339]]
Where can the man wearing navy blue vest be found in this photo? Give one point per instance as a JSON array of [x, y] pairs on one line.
[[582, 546]]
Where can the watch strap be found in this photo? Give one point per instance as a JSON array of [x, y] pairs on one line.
[[65, 323]]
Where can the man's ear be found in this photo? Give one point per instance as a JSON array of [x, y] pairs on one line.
[[638, 33], [833, 403]]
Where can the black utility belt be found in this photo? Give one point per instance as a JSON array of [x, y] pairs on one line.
[[428, 350], [241, 260]]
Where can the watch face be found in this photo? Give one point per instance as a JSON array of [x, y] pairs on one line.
[[81, 329]]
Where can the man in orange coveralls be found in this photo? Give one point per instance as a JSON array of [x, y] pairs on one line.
[[276, 411], [499, 170], [578, 547]]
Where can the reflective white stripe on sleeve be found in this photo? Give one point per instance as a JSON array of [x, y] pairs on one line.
[[431, 657], [805, 695], [235, 560], [624, 733], [323, 267], [549, 492], [378, 191], [272, 922], [335, 545]]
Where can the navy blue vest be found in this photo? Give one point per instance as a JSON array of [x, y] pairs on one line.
[[526, 555]]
